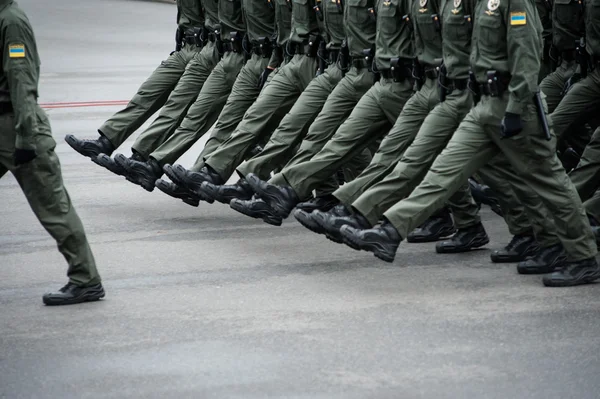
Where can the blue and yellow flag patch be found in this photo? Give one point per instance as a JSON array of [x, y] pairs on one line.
[[518, 18], [16, 51]]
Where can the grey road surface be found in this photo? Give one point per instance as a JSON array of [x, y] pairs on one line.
[[205, 303]]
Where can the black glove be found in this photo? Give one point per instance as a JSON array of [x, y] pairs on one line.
[[511, 125], [262, 79], [23, 156]]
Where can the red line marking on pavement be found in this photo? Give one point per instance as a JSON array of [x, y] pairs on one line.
[[79, 104]]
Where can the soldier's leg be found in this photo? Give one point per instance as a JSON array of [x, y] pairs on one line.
[[592, 207], [149, 98], [394, 143], [534, 158], [293, 126], [371, 119], [468, 149], [205, 110], [274, 102], [579, 105], [42, 184], [586, 176], [338, 106], [437, 129], [180, 100]]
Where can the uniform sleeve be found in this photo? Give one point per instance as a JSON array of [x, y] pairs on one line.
[[21, 69], [524, 44]]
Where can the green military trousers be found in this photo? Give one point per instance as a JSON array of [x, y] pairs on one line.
[[42, 184], [275, 100], [230, 79], [394, 143], [586, 176], [370, 120], [294, 126], [553, 86], [150, 97], [434, 129], [523, 210], [580, 105], [478, 140], [180, 100]]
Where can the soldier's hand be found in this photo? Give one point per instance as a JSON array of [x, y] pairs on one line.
[[262, 79], [511, 125], [22, 157]]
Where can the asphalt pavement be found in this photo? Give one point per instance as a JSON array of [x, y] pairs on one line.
[[206, 303]]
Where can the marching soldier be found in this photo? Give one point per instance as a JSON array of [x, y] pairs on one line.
[[510, 118], [27, 150]]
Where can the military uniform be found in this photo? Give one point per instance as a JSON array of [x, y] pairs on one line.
[[294, 126], [278, 97], [154, 92], [27, 150], [545, 9], [374, 114], [229, 80], [230, 89], [506, 108], [188, 87]]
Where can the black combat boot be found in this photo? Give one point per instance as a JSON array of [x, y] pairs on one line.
[[546, 260], [193, 180], [383, 240], [518, 249], [309, 219], [90, 148], [71, 294], [256, 208], [107, 162], [226, 192], [143, 173], [321, 203], [574, 273], [435, 228], [464, 240], [178, 192], [170, 172], [331, 222], [281, 199]]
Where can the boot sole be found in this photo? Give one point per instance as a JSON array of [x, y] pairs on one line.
[[86, 297], [474, 244], [80, 150], [586, 277], [512, 259], [271, 199], [272, 220], [366, 245], [187, 200], [312, 226], [441, 235], [100, 162], [538, 270]]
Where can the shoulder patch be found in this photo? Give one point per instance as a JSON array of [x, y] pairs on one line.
[[518, 18], [16, 51]]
